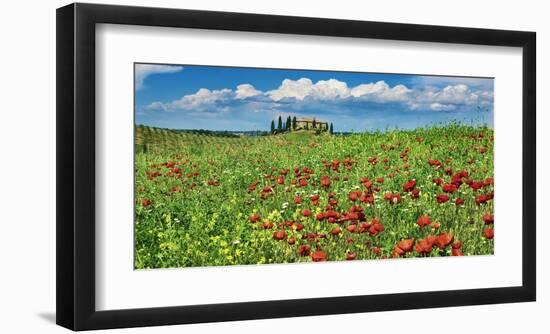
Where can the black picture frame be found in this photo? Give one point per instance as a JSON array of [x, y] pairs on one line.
[[75, 252]]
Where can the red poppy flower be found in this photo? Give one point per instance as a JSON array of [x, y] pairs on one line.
[[443, 240], [488, 218], [351, 228], [450, 188], [459, 201], [267, 225], [423, 246], [320, 216], [423, 221], [303, 250], [380, 180], [297, 200], [319, 256], [336, 231], [438, 181], [457, 244], [408, 186], [415, 193], [291, 241], [489, 181], [302, 182], [456, 252], [442, 198], [406, 245], [297, 226], [314, 198], [476, 185], [484, 198], [254, 218], [145, 202], [279, 235], [397, 252], [433, 162], [351, 256], [325, 181], [280, 180], [489, 233], [354, 195], [306, 212]]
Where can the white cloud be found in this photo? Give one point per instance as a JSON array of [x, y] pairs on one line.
[[448, 98], [142, 71], [297, 89], [203, 97], [246, 90], [442, 107], [381, 92]]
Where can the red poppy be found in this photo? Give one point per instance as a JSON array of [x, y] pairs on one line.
[[438, 181], [450, 188], [145, 202], [351, 228], [489, 233], [423, 246], [396, 252], [325, 181], [291, 241], [306, 212], [406, 245], [254, 218], [319, 256], [302, 182], [380, 180], [415, 193], [459, 201], [489, 181], [297, 200], [423, 221], [267, 225], [280, 180], [408, 186], [320, 216], [442, 198], [488, 218], [457, 245], [433, 162], [354, 195], [279, 235], [303, 250], [443, 240], [297, 226], [456, 252], [351, 256], [476, 185], [376, 250], [336, 231], [314, 198], [484, 198]]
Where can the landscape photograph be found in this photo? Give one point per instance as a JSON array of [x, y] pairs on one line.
[[253, 166]]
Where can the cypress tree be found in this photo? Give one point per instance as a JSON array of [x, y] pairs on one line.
[[331, 131], [280, 124], [272, 126], [294, 124], [314, 123], [288, 123]]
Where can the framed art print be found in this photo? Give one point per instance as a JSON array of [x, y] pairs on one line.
[[239, 166]]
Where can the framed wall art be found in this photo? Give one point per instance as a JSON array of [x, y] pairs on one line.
[[218, 166]]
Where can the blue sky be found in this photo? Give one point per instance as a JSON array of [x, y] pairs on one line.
[[239, 98]]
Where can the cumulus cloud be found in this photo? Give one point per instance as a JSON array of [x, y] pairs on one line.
[[203, 97], [142, 71], [295, 94], [381, 92], [246, 90]]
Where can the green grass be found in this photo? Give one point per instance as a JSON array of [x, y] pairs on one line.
[[200, 217]]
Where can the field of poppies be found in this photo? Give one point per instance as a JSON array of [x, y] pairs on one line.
[[210, 200]]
